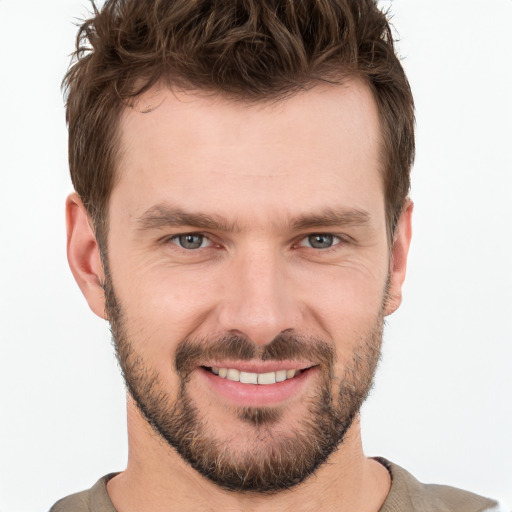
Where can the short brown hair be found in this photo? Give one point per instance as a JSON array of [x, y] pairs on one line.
[[252, 50]]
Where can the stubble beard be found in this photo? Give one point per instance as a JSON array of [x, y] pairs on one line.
[[274, 458]]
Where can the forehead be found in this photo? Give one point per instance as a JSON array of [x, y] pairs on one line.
[[309, 151]]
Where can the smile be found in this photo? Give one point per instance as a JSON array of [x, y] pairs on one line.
[[258, 385], [254, 378]]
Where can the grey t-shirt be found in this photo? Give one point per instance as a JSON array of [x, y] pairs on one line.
[[406, 495]]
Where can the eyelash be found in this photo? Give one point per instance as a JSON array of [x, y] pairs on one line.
[[336, 241], [176, 240]]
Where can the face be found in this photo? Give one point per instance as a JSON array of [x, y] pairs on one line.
[[248, 276]]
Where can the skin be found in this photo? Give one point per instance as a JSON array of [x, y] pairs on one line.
[[260, 168]]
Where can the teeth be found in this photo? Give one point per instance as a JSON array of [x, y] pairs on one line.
[[267, 378], [280, 375], [248, 378], [233, 375], [290, 374], [254, 378]]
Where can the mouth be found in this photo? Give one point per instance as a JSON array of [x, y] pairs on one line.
[[262, 379], [258, 385]]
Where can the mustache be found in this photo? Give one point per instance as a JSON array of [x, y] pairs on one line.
[[287, 345]]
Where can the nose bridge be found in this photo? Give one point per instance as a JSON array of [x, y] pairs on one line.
[[258, 300]]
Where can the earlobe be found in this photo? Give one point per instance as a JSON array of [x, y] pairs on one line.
[[398, 260], [84, 254]]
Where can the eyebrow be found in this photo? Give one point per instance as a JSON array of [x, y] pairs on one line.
[[331, 218], [163, 216]]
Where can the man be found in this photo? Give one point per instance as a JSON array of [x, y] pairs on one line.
[[241, 218]]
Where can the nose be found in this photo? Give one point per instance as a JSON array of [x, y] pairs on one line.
[[259, 300]]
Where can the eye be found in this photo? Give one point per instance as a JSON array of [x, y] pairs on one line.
[[191, 241], [320, 241]]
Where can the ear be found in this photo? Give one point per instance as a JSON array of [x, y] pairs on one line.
[[398, 260], [84, 254]]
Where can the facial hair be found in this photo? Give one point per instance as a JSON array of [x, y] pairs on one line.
[[276, 458]]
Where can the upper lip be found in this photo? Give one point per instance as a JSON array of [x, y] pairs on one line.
[[260, 366]]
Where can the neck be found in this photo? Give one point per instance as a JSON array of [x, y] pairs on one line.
[[156, 477]]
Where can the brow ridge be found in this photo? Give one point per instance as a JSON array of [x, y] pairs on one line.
[[331, 218], [164, 215]]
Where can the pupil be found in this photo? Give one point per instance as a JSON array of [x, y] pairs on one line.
[[320, 241], [191, 241]]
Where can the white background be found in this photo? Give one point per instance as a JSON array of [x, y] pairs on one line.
[[442, 406]]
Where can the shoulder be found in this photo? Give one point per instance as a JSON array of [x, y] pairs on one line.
[[408, 494], [78, 502], [95, 499]]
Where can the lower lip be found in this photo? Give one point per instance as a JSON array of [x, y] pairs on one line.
[[257, 395]]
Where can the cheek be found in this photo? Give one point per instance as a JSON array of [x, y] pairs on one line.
[[348, 307], [164, 306]]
